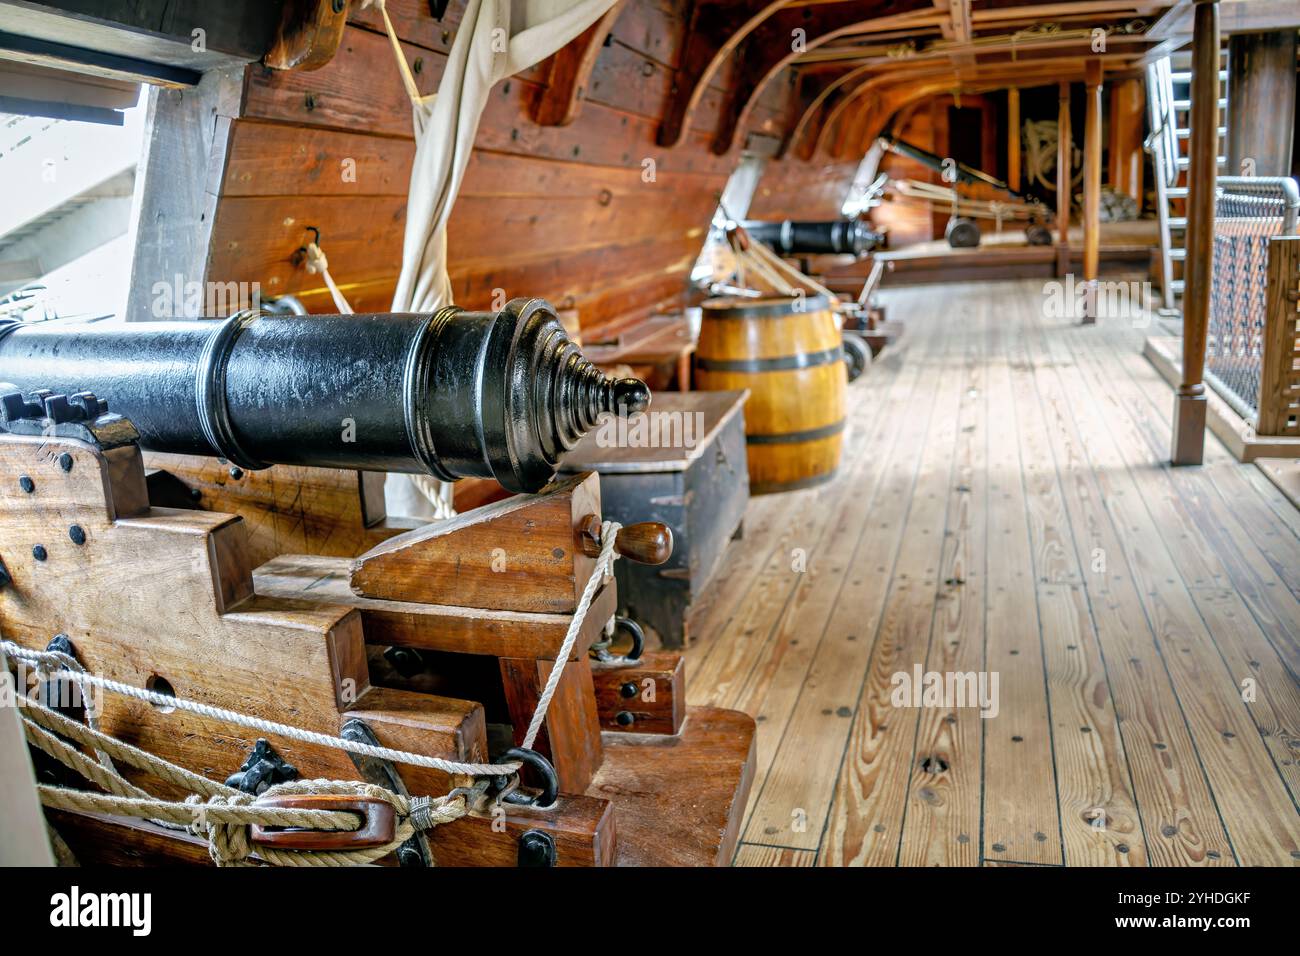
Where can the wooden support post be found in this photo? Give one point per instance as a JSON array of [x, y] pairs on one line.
[[1091, 190], [1063, 180], [1013, 138], [1127, 114], [1279, 390], [1190, 402], [1261, 103]]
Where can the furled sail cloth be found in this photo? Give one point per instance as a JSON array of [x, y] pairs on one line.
[[496, 39]]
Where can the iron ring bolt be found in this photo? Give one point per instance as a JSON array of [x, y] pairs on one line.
[[544, 769]]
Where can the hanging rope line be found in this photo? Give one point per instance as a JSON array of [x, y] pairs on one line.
[[608, 532], [317, 264]]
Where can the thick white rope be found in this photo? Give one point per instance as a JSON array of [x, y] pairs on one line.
[[215, 811], [265, 726], [408, 79], [45, 662], [608, 532]]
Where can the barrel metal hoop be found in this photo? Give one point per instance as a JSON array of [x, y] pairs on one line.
[[790, 438], [416, 384], [777, 307], [771, 487], [210, 390], [782, 364]]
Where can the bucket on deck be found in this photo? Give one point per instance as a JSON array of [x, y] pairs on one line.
[[787, 351]]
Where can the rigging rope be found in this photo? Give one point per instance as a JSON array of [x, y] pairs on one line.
[[219, 813], [54, 665]]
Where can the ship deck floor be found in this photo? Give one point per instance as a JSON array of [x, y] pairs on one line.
[[1005, 510]]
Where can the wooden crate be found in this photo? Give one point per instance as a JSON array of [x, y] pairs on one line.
[[696, 482]]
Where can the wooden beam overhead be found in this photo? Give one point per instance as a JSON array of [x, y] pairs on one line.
[[1235, 16], [716, 28], [781, 39], [568, 72]]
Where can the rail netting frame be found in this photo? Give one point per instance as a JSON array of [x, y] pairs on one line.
[[1248, 211]]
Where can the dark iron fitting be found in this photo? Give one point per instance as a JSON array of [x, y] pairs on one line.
[[453, 394]]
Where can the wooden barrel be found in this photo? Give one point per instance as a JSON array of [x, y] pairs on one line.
[[787, 352]]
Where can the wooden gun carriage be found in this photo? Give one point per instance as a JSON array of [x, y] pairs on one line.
[[286, 594]]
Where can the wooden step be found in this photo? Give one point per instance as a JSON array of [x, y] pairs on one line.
[[679, 801]]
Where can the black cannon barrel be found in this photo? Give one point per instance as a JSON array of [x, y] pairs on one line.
[[829, 236], [961, 172], [452, 393]]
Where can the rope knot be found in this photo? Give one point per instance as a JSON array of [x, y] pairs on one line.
[[429, 812], [228, 842], [316, 261]]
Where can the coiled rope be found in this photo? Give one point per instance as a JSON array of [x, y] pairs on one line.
[[223, 814]]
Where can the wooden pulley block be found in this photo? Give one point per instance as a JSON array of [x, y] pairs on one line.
[[647, 542]]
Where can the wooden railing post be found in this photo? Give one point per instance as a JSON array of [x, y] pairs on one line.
[[1063, 171], [1198, 270], [1091, 190], [1127, 114], [1279, 382], [1013, 138]]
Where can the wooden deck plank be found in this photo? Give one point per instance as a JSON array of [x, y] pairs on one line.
[[1147, 596], [720, 677], [808, 678], [1099, 814], [944, 804], [866, 819], [1240, 771], [1179, 818], [1243, 536], [756, 854], [1021, 812]]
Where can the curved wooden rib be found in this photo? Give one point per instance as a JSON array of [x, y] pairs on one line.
[[803, 137], [769, 49], [710, 39], [853, 94], [568, 72], [907, 90]]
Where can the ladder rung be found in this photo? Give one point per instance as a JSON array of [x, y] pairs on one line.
[[1187, 104], [1177, 253], [1185, 76], [1187, 133], [1177, 222], [1185, 162], [1176, 192], [1175, 285]]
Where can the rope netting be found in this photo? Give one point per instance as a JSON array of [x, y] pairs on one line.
[[1248, 211]]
